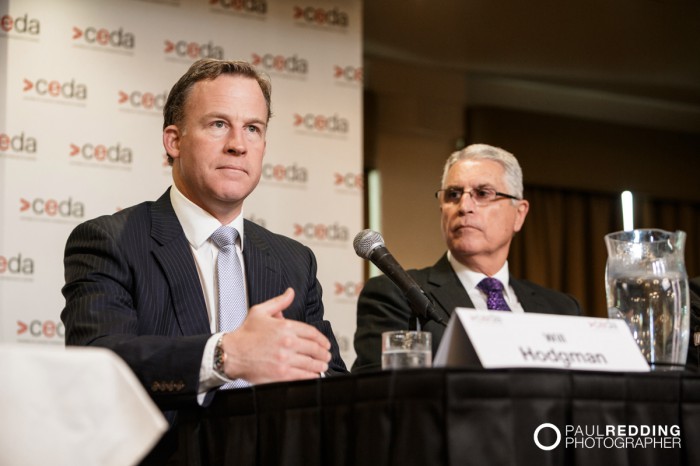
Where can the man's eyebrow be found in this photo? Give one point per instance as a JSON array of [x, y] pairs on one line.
[[466, 188], [256, 121], [215, 115], [224, 116], [484, 186], [253, 120]]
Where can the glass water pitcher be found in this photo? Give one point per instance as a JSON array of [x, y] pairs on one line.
[[647, 286]]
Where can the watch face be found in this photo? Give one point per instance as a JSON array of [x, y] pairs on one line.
[[219, 357]]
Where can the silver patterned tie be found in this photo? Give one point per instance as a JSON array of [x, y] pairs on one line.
[[232, 307]]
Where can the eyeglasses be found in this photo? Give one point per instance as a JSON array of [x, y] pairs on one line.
[[480, 196]]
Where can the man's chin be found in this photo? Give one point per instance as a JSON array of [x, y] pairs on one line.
[[465, 237], [468, 243], [232, 196]]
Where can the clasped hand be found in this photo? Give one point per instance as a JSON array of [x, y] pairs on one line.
[[269, 348]]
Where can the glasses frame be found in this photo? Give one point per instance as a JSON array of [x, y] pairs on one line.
[[497, 195]]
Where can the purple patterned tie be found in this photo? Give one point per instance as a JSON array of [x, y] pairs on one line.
[[494, 294], [232, 308]]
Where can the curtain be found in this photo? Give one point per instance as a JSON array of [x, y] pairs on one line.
[[561, 245]]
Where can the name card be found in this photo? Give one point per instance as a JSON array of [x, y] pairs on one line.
[[496, 339]]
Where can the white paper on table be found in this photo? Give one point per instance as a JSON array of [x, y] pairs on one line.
[[75, 406]]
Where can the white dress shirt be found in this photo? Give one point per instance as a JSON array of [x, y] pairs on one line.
[[198, 226], [470, 279]]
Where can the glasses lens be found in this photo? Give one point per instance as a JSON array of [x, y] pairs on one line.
[[483, 195], [452, 195]]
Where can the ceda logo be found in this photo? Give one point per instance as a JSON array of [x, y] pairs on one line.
[[18, 143], [44, 329], [193, 50], [116, 39], [16, 265], [20, 24], [47, 207], [53, 88]]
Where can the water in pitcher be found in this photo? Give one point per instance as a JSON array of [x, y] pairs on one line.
[[650, 307]]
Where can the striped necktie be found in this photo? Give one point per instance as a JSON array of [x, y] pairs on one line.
[[232, 307]]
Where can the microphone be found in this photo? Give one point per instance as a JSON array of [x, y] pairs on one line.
[[369, 245]]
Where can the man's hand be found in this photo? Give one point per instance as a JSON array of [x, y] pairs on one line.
[[269, 348]]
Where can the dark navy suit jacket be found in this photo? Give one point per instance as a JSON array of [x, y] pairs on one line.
[[382, 307], [132, 286]]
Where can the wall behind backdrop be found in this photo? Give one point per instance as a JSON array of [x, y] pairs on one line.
[[420, 114], [83, 87]]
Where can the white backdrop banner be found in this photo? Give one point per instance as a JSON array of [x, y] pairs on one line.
[[83, 87]]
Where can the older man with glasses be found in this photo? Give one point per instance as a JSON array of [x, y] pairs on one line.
[[482, 208]]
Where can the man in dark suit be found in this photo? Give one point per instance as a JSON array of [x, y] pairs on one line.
[[482, 207], [143, 282]]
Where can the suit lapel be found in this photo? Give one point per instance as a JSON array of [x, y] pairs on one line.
[[177, 264], [529, 299], [445, 288], [447, 291], [263, 270]]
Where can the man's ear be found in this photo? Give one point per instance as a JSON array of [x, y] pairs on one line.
[[171, 140], [521, 212]]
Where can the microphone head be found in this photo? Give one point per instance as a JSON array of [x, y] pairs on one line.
[[367, 241]]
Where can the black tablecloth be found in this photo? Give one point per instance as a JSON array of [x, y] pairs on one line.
[[442, 416]]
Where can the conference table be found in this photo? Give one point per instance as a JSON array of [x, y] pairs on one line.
[[451, 417]]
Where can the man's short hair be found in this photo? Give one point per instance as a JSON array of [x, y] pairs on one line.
[[209, 69], [513, 172]]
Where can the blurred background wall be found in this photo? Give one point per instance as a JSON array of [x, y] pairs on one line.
[[593, 97]]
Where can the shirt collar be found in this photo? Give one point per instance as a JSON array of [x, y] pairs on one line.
[[470, 278], [197, 223]]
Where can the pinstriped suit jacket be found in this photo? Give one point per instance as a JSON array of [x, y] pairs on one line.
[[382, 307], [132, 286]]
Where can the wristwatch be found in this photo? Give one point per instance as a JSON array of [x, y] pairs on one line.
[[220, 356]]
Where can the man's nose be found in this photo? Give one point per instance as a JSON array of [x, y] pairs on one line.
[[466, 202], [236, 143]]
